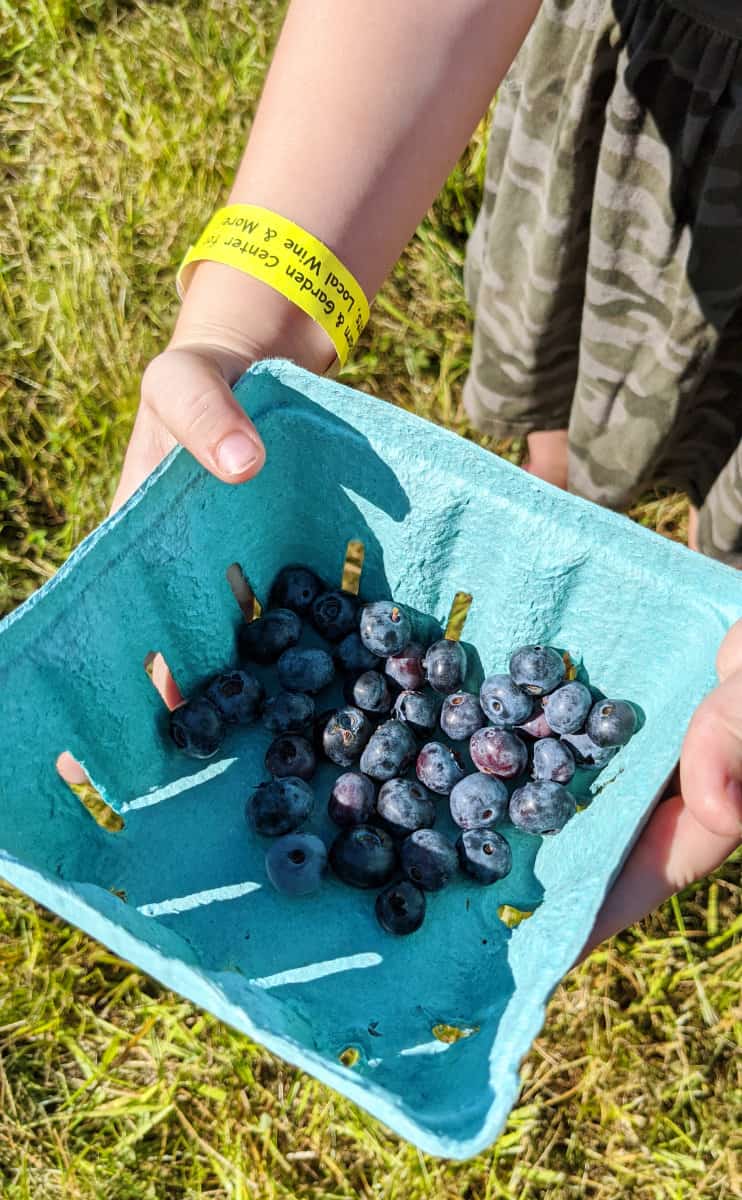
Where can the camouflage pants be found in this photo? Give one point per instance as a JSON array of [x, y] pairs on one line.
[[605, 268]]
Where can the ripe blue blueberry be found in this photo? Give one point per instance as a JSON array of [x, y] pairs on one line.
[[369, 692], [295, 864], [428, 859], [419, 710], [385, 628], [461, 716], [262, 641], [279, 806], [353, 655], [196, 728], [290, 754], [552, 760], [536, 726], [439, 768], [351, 799], [404, 805], [445, 666], [305, 670], [400, 908], [406, 668], [611, 723], [542, 807], [390, 750], [288, 712], [345, 735], [484, 854], [567, 707], [537, 669], [295, 587], [586, 752], [363, 856], [498, 752], [504, 702], [478, 801], [335, 614], [236, 695]]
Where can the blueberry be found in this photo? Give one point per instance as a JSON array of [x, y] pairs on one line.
[[461, 716], [390, 750], [536, 726], [400, 908], [288, 712], [345, 735], [567, 707], [363, 856], [305, 670], [537, 669], [236, 695], [484, 854], [478, 801], [353, 655], [586, 752], [439, 768], [611, 723], [196, 728], [428, 859], [385, 628], [280, 806], [419, 710], [542, 807], [406, 668], [369, 692], [445, 666], [552, 760], [404, 805], [290, 754], [295, 587], [504, 702], [335, 614], [351, 799], [295, 863], [262, 641], [498, 752]]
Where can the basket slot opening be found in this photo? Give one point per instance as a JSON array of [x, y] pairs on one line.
[[512, 916], [457, 616], [163, 679], [449, 1034], [77, 780], [243, 593], [352, 567]]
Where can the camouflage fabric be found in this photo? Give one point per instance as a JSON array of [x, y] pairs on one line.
[[605, 268]]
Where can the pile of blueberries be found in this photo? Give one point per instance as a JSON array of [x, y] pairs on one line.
[[533, 720]]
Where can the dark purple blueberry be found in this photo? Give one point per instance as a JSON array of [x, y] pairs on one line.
[[542, 807], [445, 666], [305, 670], [567, 707], [419, 710], [498, 752], [504, 702], [290, 754], [295, 864], [385, 628], [461, 716], [400, 908], [288, 712], [404, 805], [611, 723], [428, 859], [369, 692], [295, 587], [197, 728], [406, 668], [363, 856], [484, 854], [535, 727], [353, 655], [264, 640], [279, 806], [586, 752], [335, 614], [537, 669], [552, 760], [351, 799], [390, 751], [478, 801], [439, 768], [236, 696], [345, 735]]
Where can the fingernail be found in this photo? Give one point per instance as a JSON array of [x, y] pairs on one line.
[[236, 454], [734, 794]]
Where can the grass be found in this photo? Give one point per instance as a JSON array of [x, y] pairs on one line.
[[121, 123]]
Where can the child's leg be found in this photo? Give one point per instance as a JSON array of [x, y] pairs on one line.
[[547, 456]]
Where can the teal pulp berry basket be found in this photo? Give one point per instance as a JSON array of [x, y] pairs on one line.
[[426, 1032]]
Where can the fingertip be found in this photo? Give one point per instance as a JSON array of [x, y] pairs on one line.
[[729, 657], [240, 456]]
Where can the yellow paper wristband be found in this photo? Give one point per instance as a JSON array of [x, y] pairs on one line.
[[269, 247]]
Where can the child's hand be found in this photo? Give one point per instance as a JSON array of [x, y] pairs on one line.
[[699, 825]]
